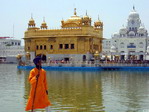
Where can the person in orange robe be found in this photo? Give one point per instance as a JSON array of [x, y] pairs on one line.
[[38, 98]]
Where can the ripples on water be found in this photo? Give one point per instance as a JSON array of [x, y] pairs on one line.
[[109, 91]]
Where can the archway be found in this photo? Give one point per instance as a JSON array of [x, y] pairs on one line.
[[141, 57], [84, 57]]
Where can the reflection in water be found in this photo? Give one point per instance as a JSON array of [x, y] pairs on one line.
[[74, 91], [108, 91], [125, 91]]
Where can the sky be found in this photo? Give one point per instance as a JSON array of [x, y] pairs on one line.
[[15, 14]]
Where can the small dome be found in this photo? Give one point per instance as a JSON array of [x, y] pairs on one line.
[[133, 14], [131, 33], [44, 24], [116, 34], [123, 30], [141, 29], [86, 17], [113, 49], [98, 22], [31, 22]]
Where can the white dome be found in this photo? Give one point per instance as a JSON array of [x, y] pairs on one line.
[[132, 33], [133, 15], [113, 49], [123, 30], [141, 29], [116, 34]]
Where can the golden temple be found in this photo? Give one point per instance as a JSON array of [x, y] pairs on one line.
[[77, 38]]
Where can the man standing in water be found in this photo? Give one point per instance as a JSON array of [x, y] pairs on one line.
[[38, 98]]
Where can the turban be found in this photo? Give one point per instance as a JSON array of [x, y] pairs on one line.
[[36, 60]]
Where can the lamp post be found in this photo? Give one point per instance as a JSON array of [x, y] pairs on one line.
[[27, 58], [18, 57], [96, 55], [49, 60], [71, 61]]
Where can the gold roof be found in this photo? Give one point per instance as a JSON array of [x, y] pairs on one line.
[[77, 20], [86, 16], [31, 20], [98, 22], [74, 19]]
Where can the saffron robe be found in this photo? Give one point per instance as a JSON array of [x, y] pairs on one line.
[[41, 98]]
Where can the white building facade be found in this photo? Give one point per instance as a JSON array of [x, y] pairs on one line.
[[9, 49], [131, 42]]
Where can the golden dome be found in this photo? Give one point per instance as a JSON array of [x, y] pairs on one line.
[[98, 23], [73, 21], [44, 24], [74, 18], [86, 20], [86, 16], [31, 22]]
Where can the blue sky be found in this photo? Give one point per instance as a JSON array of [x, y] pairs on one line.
[[113, 13]]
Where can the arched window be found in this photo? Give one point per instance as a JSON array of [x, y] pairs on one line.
[[37, 47], [141, 44], [122, 45], [40, 47]]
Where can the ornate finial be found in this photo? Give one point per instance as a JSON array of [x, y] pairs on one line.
[[98, 17], [75, 13], [43, 19], [31, 16], [133, 7], [86, 12]]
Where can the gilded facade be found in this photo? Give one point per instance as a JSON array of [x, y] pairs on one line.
[[77, 39]]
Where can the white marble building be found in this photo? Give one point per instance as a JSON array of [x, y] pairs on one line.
[[9, 49], [131, 42]]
